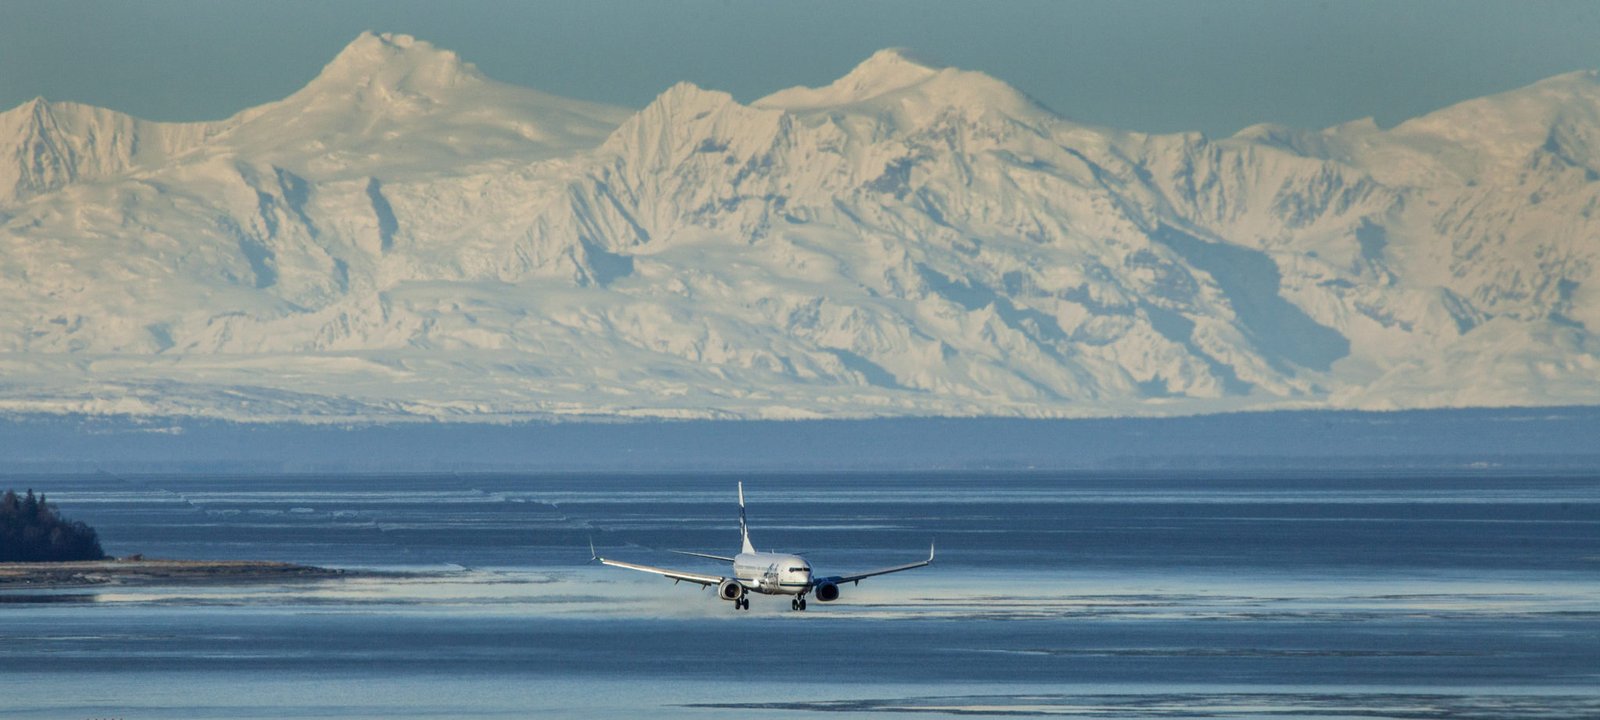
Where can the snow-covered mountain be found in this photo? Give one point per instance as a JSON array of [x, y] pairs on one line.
[[406, 238]]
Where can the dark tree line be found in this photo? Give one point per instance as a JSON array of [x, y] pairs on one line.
[[32, 531]]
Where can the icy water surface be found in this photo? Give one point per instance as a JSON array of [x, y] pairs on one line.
[[1099, 596]]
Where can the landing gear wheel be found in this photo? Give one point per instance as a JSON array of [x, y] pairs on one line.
[[794, 604], [802, 603], [742, 604]]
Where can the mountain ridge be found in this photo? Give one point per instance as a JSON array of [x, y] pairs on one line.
[[407, 238]]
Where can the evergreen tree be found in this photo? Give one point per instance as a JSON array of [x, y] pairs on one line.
[[32, 531]]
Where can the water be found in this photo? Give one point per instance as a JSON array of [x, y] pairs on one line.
[[1053, 595]]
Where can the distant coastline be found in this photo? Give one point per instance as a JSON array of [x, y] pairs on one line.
[[1475, 440], [159, 572]]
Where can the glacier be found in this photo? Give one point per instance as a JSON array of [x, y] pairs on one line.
[[407, 239]]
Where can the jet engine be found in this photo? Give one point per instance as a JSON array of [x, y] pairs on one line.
[[827, 592], [730, 590]]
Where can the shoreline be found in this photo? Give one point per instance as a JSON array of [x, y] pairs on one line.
[[93, 573]]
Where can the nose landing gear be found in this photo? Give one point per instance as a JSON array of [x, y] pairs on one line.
[[798, 603]]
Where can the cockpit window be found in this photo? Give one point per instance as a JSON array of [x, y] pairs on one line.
[[798, 569]]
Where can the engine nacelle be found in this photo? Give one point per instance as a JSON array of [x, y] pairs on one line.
[[730, 590], [827, 592]]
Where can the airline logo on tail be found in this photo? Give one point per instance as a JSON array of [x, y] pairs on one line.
[[744, 530]]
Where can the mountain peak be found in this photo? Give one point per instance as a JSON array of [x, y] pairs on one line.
[[886, 71], [892, 67], [385, 87], [27, 114], [913, 88], [1503, 129], [395, 61], [675, 116], [1530, 108]]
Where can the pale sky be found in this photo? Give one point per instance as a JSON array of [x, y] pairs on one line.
[[1143, 65]]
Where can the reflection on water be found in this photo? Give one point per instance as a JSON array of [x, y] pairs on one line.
[[1203, 596]]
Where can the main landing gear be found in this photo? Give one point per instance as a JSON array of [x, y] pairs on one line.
[[743, 603]]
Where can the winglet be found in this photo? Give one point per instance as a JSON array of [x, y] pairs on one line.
[[592, 554], [930, 551]]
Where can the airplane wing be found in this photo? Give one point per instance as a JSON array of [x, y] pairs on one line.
[[703, 555], [857, 578], [696, 578]]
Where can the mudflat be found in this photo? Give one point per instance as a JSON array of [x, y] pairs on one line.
[[164, 572]]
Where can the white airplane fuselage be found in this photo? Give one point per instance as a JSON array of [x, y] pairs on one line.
[[772, 573]]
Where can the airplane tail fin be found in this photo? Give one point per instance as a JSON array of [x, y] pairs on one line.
[[744, 530]]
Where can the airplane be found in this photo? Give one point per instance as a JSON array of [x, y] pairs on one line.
[[768, 573]]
